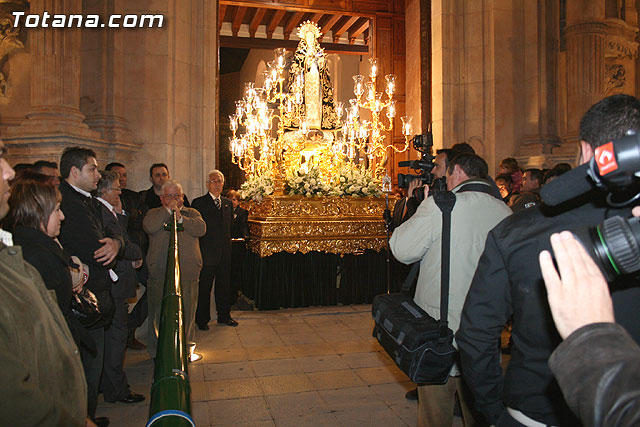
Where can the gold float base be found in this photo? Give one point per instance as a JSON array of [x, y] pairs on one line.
[[336, 225]]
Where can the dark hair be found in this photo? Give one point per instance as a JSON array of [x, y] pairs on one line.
[[22, 167], [33, 199], [510, 163], [37, 166], [536, 174], [555, 172], [463, 147], [113, 165], [157, 165], [74, 156], [506, 177], [562, 167], [609, 119], [105, 183], [448, 155], [472, 165]]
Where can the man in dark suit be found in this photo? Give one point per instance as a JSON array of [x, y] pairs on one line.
[[114, 382], [215, 245], [83, 235], [150, 198], [131, 205]]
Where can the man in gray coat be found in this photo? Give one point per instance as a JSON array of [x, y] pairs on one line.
[[189, 257]]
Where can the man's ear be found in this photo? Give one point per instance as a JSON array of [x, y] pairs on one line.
[[74, 171], [586, 152]]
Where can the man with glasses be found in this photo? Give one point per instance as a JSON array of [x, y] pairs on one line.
[[190, 259], [114, 382], [217, 212]]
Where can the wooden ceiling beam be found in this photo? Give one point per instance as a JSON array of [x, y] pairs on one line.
[[256, 21], [237, 20], [294, 21], [343, 27], [221, 12], [255, 43], [275, 20], [326, 27], [358, 28]]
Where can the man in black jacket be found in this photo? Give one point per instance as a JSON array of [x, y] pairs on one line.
[[83, 235], [215, 245], [508, 282], [114, 382], [150, 198]]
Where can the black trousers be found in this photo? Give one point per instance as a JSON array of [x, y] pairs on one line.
[[209, 273], [114, 383], [139, 313], [92, 365]]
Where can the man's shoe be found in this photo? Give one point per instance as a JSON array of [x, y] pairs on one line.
[[101, 421], [204, 327], [412, 394], [228, 321], [134, 344], [131, 398]]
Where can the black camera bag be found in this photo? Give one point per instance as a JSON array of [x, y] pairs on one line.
[[420, 345]]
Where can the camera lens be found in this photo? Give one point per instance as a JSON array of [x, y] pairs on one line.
[[614, 245]]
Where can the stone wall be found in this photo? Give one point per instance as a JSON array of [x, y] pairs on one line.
[[137, 96]]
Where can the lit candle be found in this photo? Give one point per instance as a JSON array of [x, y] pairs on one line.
[[407, 128], [391, 109], [374, 67], [358, 87], [391, 84]]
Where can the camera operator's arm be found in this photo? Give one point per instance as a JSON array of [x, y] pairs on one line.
[[411, 240], [598, 365]]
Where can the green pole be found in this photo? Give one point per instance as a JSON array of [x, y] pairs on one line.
[[170, 403]]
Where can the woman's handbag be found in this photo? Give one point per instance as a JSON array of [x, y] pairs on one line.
[[85, 307]]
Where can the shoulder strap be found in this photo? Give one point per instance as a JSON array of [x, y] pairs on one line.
[[445, 200], [476, 186]]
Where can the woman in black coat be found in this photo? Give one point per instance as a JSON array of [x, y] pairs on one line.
[[34, 221], [239, 234]]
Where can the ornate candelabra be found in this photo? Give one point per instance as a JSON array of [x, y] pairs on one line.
[[310, 128]]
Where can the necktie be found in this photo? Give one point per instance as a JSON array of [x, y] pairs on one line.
[[217, 202]]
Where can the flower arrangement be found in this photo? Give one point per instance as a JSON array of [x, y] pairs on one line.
[[257, 187], [350, 180], [309, 183]]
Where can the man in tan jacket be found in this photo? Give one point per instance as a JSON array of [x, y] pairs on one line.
[[189, 257]]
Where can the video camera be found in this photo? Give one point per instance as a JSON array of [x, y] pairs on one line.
[[423, 144], [615, 243]]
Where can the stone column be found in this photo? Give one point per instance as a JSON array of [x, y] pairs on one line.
[[585, 36], [54, 117], [102, 90]]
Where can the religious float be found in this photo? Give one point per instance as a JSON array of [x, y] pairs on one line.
[[315, 178]]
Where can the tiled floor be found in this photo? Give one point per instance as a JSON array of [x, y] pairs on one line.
[[297, 367]]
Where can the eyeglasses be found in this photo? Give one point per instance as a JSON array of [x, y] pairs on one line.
[[214, 181], [173, 196]]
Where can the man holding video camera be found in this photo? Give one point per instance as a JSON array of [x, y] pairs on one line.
[[475, 212], [508, 282]]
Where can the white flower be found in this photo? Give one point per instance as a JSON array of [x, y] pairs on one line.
[[342, 179], [365, 190]]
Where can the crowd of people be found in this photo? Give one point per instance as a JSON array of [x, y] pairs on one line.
[[73, 234], [497, 280], [76, 230]]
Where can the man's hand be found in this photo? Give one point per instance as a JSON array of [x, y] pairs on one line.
[[136, 264], [108, 251], [415, 183], [580, 295]]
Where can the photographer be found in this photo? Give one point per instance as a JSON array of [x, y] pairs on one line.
[[508, 282], [603, 387], [475, 212]]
